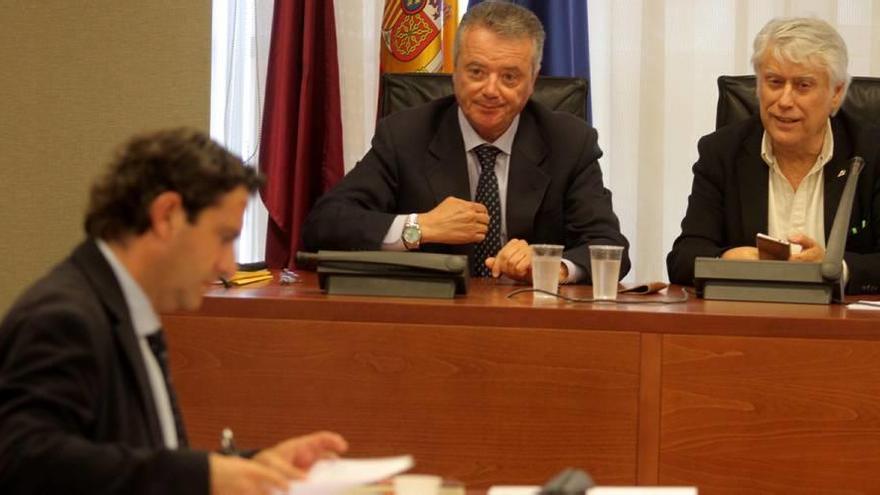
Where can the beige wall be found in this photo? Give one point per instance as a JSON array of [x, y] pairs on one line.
[[77, 78]]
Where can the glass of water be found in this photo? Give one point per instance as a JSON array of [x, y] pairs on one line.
[[605, 268], [546, 260]]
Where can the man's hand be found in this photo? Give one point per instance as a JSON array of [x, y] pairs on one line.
[[514, 261], [300, 453], [455, 221], [274, 468], [237, 476], [810, 252], [741, 253]]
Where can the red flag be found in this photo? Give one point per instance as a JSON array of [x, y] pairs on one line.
[[301, 142]]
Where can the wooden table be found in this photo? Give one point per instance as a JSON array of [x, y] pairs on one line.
[[485, 389]]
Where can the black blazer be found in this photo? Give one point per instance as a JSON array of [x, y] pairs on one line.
[[76, 408], [728, 203], [554, 193]]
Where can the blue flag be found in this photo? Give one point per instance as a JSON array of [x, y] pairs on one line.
[[566, 50]]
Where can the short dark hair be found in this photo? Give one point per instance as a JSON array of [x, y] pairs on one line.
[[182, 160], [507, 20]]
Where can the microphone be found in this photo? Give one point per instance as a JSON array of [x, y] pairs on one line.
[[832, 265]]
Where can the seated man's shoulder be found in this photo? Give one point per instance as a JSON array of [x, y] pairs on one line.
[[60, 302], [557, 122], [732, 135], [420, 118]]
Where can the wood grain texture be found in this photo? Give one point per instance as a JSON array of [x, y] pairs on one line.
[[650, 374], [483, 406], [770, 415], [731, 397]]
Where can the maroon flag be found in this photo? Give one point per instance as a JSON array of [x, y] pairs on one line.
[[301, 142]]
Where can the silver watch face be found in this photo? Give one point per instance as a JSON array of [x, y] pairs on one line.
[[411, 234]]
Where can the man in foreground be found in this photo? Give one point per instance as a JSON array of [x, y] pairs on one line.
[[86, 403], [485, 172]]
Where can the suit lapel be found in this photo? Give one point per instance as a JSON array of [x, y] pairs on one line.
[[446, 163], [526, 181], [95, 268], [753, 177], [835, 173]]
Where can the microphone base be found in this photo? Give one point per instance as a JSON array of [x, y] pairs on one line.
[[764, 281], [375, 285]]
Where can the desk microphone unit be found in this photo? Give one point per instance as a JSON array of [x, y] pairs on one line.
[[388, 273], [784, 281]]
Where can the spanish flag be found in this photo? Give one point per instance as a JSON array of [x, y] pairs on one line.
[[417, 35]]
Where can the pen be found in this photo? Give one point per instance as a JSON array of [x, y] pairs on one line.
[[227, 442]]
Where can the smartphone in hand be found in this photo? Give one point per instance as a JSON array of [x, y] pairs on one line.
[[771, 248]]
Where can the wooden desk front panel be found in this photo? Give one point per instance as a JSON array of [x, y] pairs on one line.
[[770, 415], [477, 404]]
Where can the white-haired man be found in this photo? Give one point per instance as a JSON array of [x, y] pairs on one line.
[[782, 172]]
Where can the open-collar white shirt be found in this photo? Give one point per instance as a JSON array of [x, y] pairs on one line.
[[797, 211]]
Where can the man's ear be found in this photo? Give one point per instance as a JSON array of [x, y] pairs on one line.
[[837, 97], [166, 214]]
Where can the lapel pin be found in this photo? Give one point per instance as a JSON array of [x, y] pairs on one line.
[[841, 173]]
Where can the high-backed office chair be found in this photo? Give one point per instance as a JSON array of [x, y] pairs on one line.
[[400, 91], [737, 99]]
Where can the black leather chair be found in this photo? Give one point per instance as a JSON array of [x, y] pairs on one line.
[[737, 99], [400, 91]]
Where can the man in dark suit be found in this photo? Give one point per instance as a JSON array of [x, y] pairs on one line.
[[486, 173], [86, 403], [782, 172]]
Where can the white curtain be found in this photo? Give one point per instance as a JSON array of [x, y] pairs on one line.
[[240, 36], [653, 71], [661, 57], [357, 38]]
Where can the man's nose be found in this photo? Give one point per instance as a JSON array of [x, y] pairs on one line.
[[226, 266], [490, 88], [786, 98]]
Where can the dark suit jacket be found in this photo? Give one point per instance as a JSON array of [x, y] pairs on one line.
[[728, 203], [554, 193], [76, 409]]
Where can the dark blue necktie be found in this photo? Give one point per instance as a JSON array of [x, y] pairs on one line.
[[487, 194], [156, 341]]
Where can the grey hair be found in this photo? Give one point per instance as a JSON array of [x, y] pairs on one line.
[[805, 40], [507, 20]]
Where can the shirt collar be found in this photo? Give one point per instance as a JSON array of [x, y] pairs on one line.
[[143, 316], [472, 139], [824, 155]]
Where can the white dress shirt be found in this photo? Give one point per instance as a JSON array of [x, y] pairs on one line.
[[800, 211], [145, 322], [472, 140]]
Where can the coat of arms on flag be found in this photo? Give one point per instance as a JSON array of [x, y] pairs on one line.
[[417, 35]]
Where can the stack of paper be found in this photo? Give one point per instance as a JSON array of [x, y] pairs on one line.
[[334, 476]]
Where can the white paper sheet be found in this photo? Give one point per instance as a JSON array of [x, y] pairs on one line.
[[642, 490], [866, 305], [514, 490], [333, 476]]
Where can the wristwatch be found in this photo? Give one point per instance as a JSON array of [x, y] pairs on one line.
[[412, 232]]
